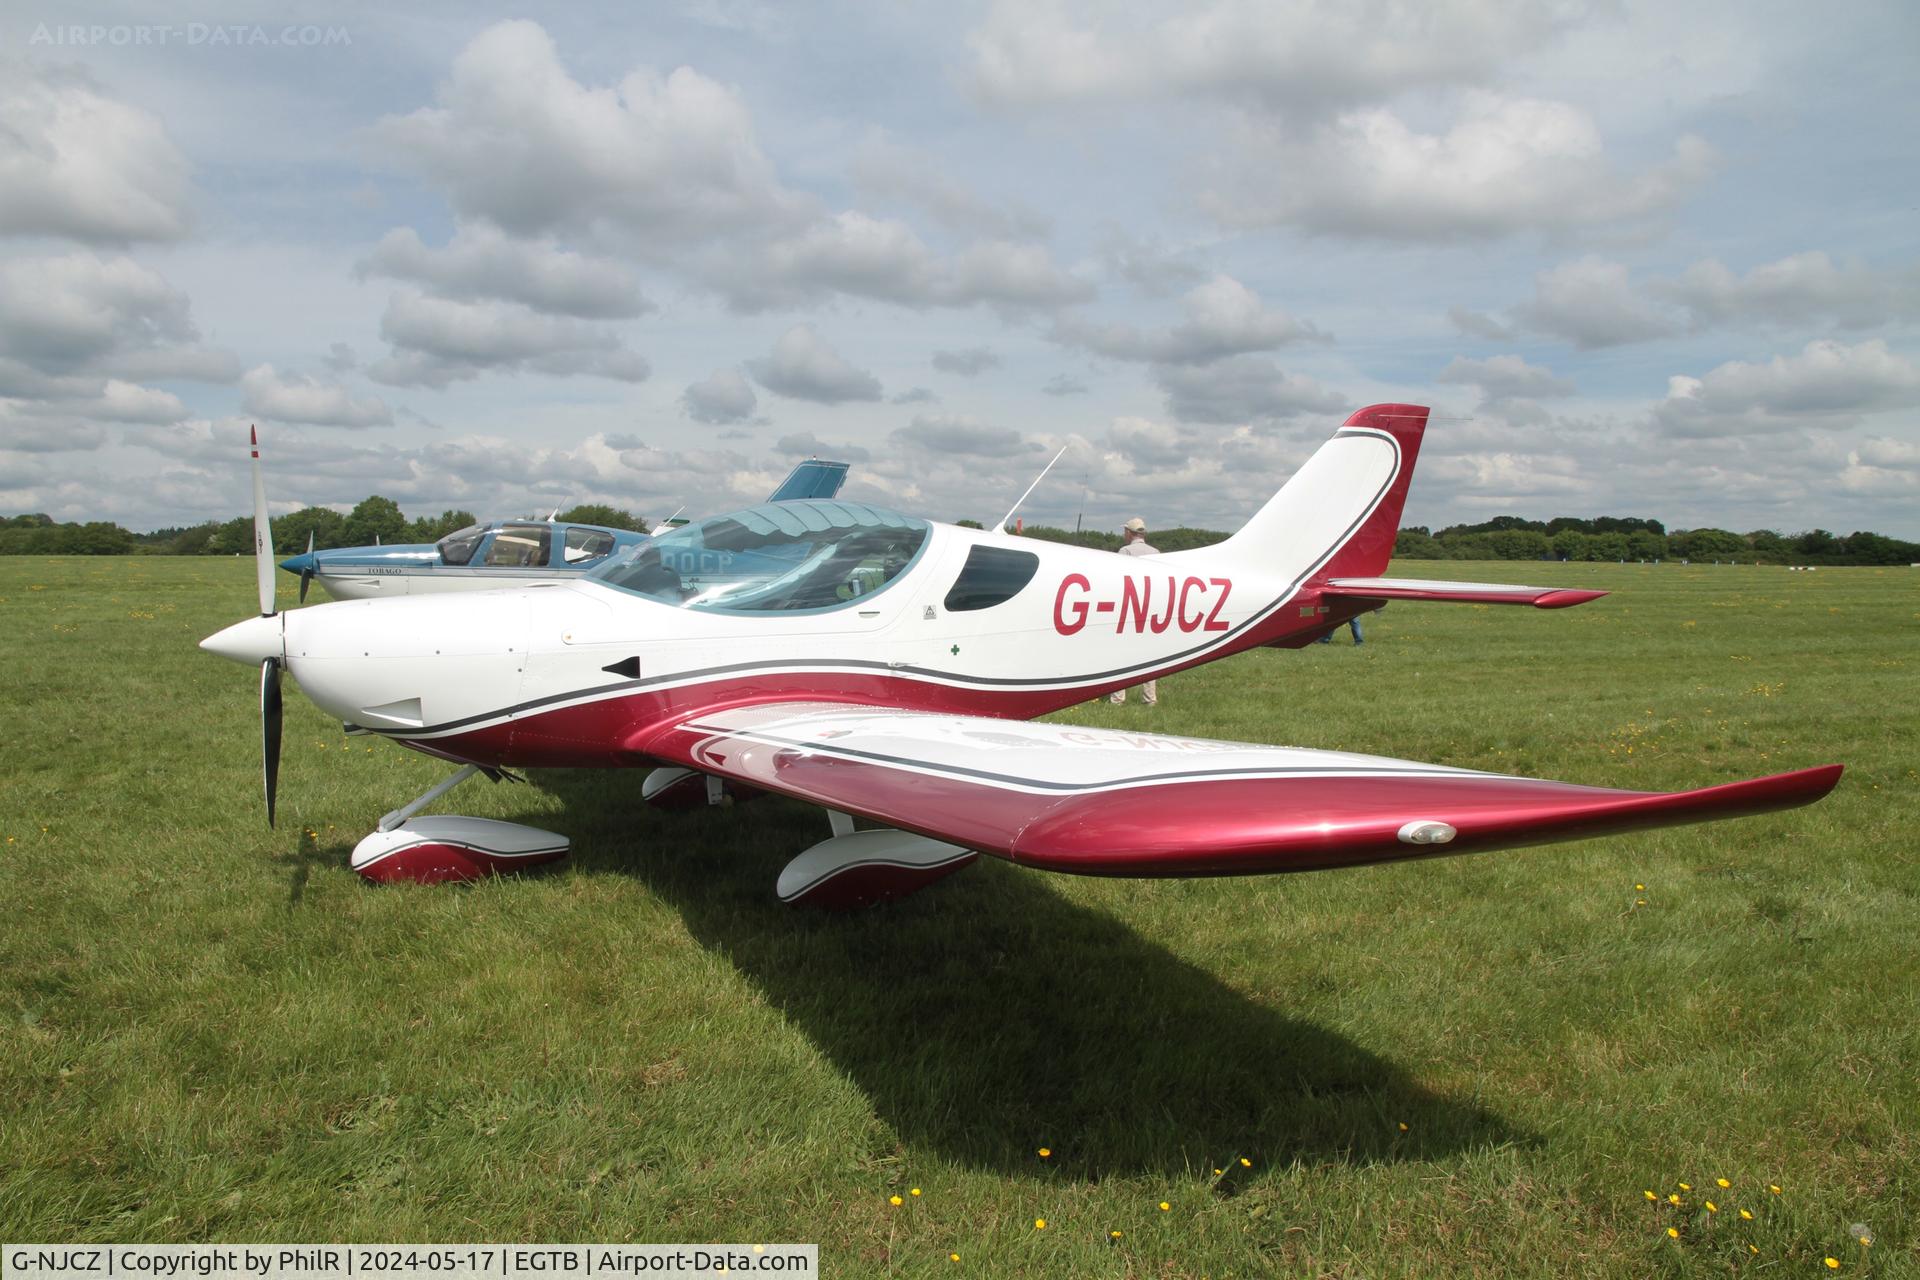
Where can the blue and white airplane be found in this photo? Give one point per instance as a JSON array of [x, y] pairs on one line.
[[505, 553]]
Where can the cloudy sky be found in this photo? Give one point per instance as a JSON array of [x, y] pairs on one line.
[[1642, 258]]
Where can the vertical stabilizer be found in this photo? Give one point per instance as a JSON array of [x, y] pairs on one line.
[[1339, 514]]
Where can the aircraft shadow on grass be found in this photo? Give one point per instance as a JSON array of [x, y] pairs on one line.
[[988, 1016]]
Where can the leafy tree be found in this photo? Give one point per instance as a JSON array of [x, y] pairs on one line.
[[1706, 544], [329, 529], [434, 528], [1611, 545], [96, 538], [191, 542], [1645, 544], [1183, 538], [233, 538], [1417, 544], [1874, 548], [968, 524], [1816, 542], [601, 514], [91, 538], [1569, 543], [377, 519], [1518, 544], [1082, 538], [1627, 524]]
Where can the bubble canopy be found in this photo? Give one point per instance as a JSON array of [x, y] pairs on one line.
[[779, 557]]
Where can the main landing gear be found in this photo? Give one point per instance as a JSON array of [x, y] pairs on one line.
[[849, 869]]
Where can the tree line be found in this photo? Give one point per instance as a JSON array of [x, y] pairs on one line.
[[376, 520], [1607, 538], [1603, 538]]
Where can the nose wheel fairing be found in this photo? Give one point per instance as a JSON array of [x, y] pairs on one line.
[[443, 848]]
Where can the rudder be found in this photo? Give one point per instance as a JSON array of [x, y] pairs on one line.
[[1339, 513]]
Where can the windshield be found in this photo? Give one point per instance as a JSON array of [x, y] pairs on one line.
[[457, 548], [786, 557]]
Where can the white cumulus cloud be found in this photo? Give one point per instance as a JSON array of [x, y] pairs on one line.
[[79, 164], [300, 398], [1829, 384], [804, 366]]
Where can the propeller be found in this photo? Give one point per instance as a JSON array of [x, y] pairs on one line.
[[306, 574], [270, 731], [269, 667]]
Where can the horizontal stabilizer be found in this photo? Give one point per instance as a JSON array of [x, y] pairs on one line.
[[1458, 592]]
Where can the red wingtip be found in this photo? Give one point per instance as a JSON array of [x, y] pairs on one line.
[[1566, 599]]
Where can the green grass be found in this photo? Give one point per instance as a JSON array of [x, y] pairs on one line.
[[213, 1031]]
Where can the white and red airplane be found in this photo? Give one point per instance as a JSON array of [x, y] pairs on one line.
[[885, 667]]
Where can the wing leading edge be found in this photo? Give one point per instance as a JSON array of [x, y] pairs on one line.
[[1099, 802]]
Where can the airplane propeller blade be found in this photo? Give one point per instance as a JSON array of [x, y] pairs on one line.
[[262, 537], [306, 574], [270, 731]]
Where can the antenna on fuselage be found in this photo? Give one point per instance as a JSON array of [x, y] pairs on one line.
[[1006, 519]]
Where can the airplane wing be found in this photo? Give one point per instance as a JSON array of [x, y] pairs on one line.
[[1457, 592], [1100, 802]]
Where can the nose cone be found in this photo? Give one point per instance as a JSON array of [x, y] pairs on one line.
[[305, 562], [251, 642]]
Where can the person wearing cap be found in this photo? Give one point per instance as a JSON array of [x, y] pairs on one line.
[[1133, 542]]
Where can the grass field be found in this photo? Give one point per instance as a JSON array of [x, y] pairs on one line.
[[1475, 1066]]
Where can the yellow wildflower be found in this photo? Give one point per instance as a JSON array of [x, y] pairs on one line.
[[1649, 1195], [895, 1201], [1639, 888], [1245, 1163], [1774, 1187], [1712, 1207], [1674, 1232], [1403, 1126], [1164, 1206], [1747, 1214], [1045, 1152], [1722, 1182], [1686, 1186], [1113, 1235], [1673, 1198], [1039, 1224], [953, 1257], [914, 1192], [1833, 1264]]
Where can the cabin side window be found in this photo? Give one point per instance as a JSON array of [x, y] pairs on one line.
[[457, 548], [519, 546], [993, 575], [583, 545]]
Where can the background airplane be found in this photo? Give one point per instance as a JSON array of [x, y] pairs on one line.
[[505, 553], [879, 665]]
